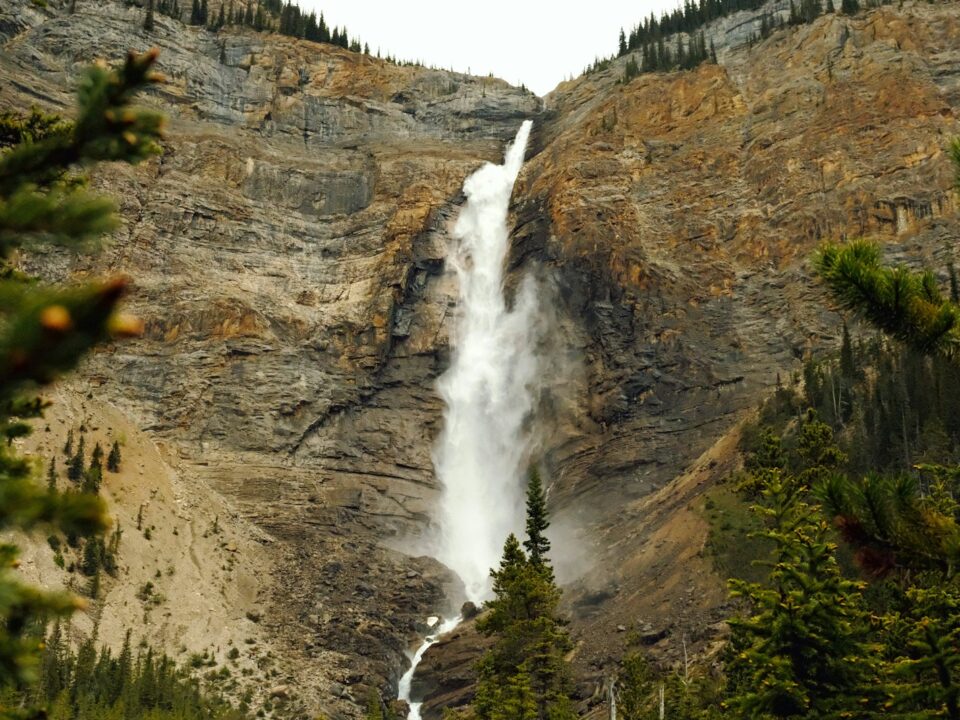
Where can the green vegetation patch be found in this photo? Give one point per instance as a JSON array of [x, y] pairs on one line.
[[733, 544]]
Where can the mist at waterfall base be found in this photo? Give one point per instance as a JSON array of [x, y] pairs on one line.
[[489, 389]]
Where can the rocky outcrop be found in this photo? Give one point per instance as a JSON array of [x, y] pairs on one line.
[[677, 212], [287, 251]]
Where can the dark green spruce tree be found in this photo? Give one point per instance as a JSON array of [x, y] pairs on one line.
[[537, 545], [113, 459], [849, 7], [78, 462], [802, 650], [148, 18], [52, 475], [525, 676]]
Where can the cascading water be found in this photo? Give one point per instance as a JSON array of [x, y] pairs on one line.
[[406, 682], [481, 454], [488, 390]]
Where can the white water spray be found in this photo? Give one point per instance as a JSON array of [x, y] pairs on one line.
[[489, 393], [488, 390]]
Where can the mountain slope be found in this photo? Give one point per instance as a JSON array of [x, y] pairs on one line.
[[288, 254]]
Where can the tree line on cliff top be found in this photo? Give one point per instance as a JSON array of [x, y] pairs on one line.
[[286, 18], [658, 44]]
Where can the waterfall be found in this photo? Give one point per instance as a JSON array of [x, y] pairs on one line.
[[481, 455], [482, 452]]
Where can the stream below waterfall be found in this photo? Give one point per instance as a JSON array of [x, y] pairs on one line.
[[406, 682]]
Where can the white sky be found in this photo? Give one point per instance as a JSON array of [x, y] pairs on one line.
[[538, 43]]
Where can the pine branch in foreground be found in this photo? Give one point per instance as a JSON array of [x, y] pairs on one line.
[[905, 304]]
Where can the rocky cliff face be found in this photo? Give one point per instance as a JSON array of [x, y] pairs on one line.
[[288, 252], [678, 212]]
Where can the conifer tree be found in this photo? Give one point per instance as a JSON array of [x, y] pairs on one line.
[[323, 31], [848, 365], [53, 678], [954, 284], [849, 7], [52, 475], [818, 454], [45, 330], [96, 457], [78, 462], [148, 18], [763, 464], [929, 671], [907, 305], [802, 651], [525, 675], [113, 459], [537, 545], [92, 479], [893, 527], [91, 557]]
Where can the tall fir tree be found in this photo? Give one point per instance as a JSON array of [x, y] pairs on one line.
[[148, 18], [78, 462], [52, 475], [537, 545], [849, 7], [113, 459], [525, 673]]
